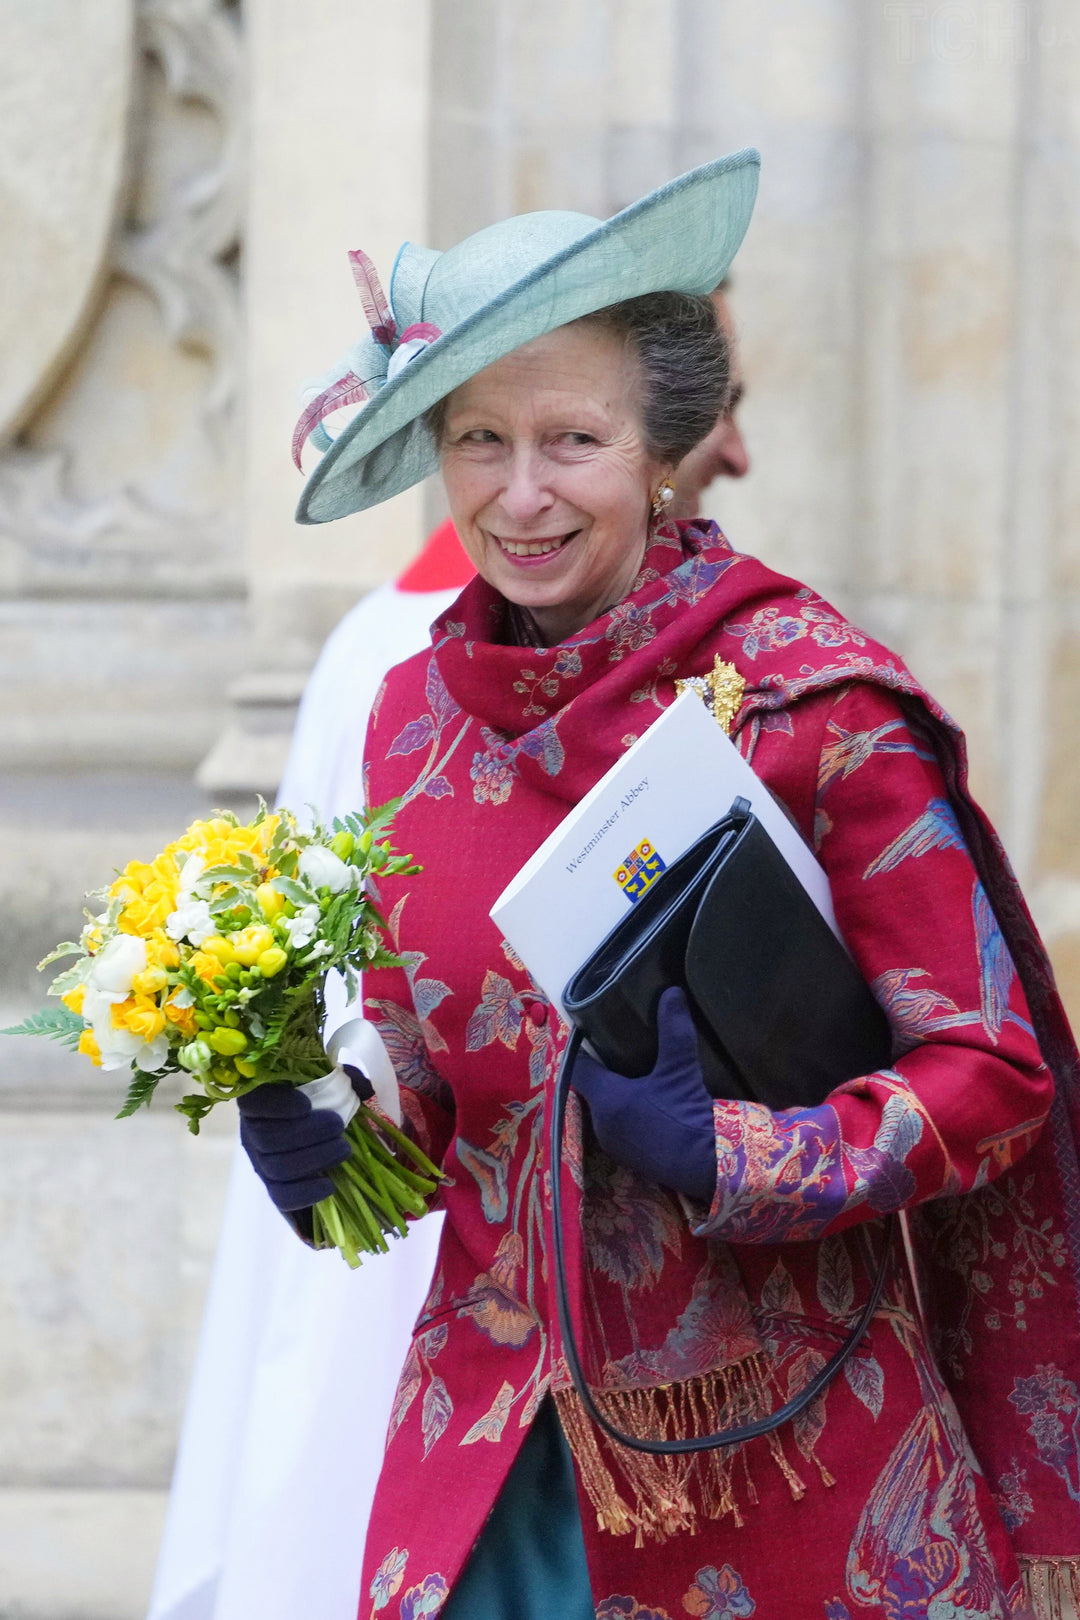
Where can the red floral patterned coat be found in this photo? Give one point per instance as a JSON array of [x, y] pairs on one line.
[[914, 1483]]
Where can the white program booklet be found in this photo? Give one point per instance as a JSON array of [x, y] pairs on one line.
[[668, 788]]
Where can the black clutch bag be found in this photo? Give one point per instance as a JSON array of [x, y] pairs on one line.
[[782, 1015]]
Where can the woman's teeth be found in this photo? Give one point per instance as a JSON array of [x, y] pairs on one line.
[[533, 548]]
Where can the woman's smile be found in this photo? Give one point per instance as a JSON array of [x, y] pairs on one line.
[[533, 550]]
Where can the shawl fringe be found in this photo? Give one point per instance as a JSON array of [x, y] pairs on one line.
[[657, 1497], [1051, 1587]]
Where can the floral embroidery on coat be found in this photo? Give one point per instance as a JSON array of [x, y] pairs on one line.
[[494, 767], [769, 628], [426, 1600], [387, 1579], [718, 1594], [1049, 1402], [628, 1608]]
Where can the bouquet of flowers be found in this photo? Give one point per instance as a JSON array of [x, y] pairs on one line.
[[210, 961]]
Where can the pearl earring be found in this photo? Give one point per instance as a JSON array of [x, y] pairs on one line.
[[663, 497]]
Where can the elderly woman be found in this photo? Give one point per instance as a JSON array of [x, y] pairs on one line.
[[559, 369]]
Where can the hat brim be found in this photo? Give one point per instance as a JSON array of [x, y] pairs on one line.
[[680, 238]]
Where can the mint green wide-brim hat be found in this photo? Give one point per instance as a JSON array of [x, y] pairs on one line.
[[451, 314]]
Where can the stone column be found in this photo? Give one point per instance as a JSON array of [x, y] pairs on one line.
[[337, 159], [787, 77], [551, 105]]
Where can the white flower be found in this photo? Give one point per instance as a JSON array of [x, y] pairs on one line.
[[191, 920], [117, 1046], [303, 927], [152, 1055], [116, 965], [196, 1056], [190, 873], [97, 1005], [109, 982], [325, 870]]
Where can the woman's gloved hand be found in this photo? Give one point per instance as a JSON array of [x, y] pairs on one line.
[[661, 1125], [292, 1145]]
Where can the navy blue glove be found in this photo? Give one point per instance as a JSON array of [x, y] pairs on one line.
[[291, 1145], [661, 1125]]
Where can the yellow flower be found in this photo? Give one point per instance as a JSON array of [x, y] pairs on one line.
[[119, 1011], [166, 868], [161, 951], [73, 999], [90, 1048], [248, 1070], [249, 944], [220, 842], [270, 900], [143, 1017], [271, 962], [149, 982], [145, 914], [222, 948], [200, 834], [148, 894], [206, 966], [183, 1018]]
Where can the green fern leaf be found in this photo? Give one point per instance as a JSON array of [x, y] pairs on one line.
[[56, 1023], [139, 1093], [380, 816]]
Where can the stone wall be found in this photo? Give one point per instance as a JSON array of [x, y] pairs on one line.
[[905, 304], [913, 358]]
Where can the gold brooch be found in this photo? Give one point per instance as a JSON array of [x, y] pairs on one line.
[[722, 691]]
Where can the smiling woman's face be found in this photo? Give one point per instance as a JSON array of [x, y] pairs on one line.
[[548, 478]]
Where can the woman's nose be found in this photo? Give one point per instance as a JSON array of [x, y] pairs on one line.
[[525, 494], [733, 457]]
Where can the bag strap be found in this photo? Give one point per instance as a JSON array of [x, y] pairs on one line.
[[723, 1437]]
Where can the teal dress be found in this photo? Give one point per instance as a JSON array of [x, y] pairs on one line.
[[529, 1563]]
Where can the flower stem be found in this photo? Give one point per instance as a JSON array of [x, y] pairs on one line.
[[374, 1193]]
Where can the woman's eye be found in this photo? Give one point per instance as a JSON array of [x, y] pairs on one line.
[[576, 439], [480, 436]]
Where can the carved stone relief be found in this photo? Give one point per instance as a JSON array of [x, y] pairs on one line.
[[61, 178], [125, 478]]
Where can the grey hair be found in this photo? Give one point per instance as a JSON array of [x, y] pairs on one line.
[[685, 362]]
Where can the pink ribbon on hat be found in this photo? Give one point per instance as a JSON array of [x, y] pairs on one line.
[[349, 389]]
